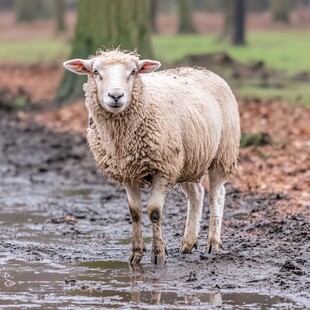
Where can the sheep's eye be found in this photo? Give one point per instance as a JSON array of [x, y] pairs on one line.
[[96, 73], [133, 72]]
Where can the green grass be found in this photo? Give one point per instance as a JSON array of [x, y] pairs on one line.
[[280, 50], [33, 51], [285, 51], [288, 51]]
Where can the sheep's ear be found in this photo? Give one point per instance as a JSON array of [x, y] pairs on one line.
[[78, 66], [147, 65]]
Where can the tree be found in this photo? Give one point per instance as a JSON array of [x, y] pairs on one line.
[[60, 10], [212, 5], [228, 14], [234, 21], [257, 6], [6, 4], [106, 23], [239, 19], [154, 10], [280, 10], [30, 10], [185, 15]]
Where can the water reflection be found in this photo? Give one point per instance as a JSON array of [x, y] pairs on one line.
[[138, 277], [121, 283], [145, 285], [157, 296], [98, 285]]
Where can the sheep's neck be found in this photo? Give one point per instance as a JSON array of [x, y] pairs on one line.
[[123, 126]]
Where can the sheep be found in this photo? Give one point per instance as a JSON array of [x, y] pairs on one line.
[[158, 129]]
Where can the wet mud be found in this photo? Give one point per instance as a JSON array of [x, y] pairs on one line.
[[66, 233]]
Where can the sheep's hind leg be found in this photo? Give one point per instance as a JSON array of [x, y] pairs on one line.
[[194, 193], [135, 208], [154, 208], [216, 205]]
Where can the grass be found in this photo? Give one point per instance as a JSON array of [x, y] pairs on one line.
[[280, 50], [285, 51], [33, 51], [288, 51]]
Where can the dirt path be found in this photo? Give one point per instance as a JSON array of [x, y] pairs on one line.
[[65, 238]]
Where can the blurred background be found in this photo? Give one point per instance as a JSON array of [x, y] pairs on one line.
[[260, 46]]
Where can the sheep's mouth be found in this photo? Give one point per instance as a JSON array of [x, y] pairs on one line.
[[114, 107], [115, 103]]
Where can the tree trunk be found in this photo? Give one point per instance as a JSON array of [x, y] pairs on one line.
[[25, 10], [30, 10], [154, 10], [60, 11], [257, 6], [280, 10], [239, 19], [106, 23], [228, 12], [6, 4], [210, 5], [185, 15]]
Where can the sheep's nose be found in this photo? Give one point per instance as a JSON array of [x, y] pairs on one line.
[[116, 93]]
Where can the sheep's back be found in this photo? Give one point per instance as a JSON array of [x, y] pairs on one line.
[[203, 108]]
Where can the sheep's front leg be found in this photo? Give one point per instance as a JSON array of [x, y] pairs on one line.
[[194, 193], [154, 209], [216, 205], [135, 208]]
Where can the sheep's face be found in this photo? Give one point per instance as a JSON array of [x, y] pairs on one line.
[[114, 80]]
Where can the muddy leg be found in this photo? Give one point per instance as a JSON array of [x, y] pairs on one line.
[[154, 209], [135, 208], [216, 205], [194, 193]]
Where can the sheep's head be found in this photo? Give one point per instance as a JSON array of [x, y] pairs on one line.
[[114, 73]]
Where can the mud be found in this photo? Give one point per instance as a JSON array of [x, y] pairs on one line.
[[65, 238]]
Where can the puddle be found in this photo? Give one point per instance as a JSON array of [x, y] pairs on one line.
[[112, 284], [120, 283], [83, 192], [147, 240]]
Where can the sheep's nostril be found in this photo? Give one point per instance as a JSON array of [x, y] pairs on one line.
[[116, 96]]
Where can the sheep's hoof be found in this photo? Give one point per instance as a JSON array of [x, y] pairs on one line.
[[160, 258], [213, 246], [187, 247], [136, 256]]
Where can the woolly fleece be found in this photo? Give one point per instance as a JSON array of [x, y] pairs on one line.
[[179, 123]]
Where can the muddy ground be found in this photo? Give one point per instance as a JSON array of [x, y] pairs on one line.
[[65, 236]]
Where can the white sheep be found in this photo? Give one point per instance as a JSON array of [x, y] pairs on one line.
[[160, 129]]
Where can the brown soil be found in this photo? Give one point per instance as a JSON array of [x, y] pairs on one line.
[[23, 82]]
